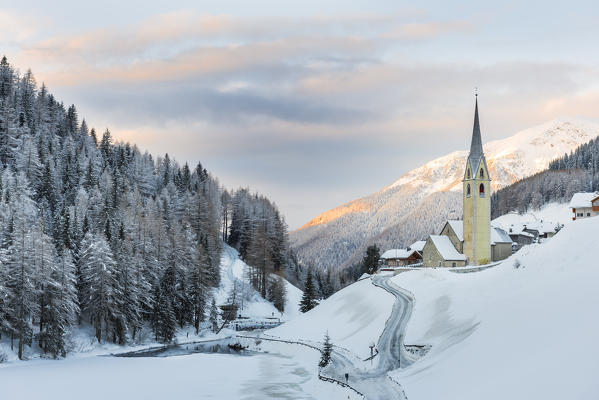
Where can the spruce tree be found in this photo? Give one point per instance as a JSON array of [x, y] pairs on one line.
[[308, 301], [327, 349], [370, 262]]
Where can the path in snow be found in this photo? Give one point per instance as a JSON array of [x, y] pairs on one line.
[[375, 383]]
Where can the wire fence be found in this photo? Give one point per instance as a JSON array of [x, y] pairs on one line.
[[320, 376]]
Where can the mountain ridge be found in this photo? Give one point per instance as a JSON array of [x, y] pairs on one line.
[[332, 238]]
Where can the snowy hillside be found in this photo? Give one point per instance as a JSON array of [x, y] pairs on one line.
[[553, 212], [234, 278], [392, 217], [522, 330], [354, 318]]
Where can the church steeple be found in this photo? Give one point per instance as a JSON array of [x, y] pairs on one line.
[[476, 146], [477, 201]]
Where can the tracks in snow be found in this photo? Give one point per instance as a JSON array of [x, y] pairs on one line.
[[375, 383]]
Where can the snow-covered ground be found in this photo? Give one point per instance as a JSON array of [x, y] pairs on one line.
[[354, 317], [285, 372], [553, 212], [510, 333]]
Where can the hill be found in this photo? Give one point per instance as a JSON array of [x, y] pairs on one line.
[[511, 329]]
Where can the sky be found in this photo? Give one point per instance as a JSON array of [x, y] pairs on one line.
[[311, 103]]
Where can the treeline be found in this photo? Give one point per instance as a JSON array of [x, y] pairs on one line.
[[259, 233], [584, 157], [96, 232]]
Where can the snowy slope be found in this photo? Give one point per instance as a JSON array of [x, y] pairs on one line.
[[554, 212], [347, 229], [354, 318], [517, 333], [233, 272]]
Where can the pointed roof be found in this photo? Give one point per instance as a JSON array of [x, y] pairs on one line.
[[476, 146]]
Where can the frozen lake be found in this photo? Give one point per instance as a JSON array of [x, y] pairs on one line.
[[278, 372]]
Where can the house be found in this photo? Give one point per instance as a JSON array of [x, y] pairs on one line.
[[584, 205], [520, 237], [455, 231], [501, 244], [401, 257], [439, 251], [543, 229]]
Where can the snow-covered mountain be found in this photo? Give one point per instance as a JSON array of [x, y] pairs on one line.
[[419, 201]]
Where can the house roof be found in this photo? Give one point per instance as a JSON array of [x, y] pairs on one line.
[[498, 235], [418, 246], [401, 254], [580, 200], [446, 248], [458, 228], [521, 232]]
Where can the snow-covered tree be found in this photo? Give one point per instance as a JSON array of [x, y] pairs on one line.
[[102, 291], [308, 301]]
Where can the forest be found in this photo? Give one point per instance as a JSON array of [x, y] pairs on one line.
[[96, 232], [574, 172]]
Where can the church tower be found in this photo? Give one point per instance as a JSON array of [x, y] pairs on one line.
[[477, 201]]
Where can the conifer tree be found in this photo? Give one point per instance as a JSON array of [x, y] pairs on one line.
[[213, 316], [370, 261], [327, 349], [102, 292], [308, 301]]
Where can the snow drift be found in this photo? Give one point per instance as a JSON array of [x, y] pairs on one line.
[[526, 329]]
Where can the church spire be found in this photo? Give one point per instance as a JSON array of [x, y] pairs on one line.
[[476, 147]]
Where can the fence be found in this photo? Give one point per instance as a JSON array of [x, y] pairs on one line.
[[320, 376]]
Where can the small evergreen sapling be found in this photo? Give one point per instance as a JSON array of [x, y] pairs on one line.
[[325, 357]]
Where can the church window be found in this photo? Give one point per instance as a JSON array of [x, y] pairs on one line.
[[481, 190], [482, 173], [453, 264], [468, 173], [468, 190]]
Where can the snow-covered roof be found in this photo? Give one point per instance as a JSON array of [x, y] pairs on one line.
[[417, 246], [446, 248], [397, 253], [580, 200], [498, 235], [458, 228], [516, 231], [541, 226]]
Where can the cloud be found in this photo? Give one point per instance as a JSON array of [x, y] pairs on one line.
[[322, 107], [425, 30]]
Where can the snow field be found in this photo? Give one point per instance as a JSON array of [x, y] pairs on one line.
[[285, 372], [354, 317], [510, 333]]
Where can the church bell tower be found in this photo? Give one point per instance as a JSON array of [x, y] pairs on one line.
[[477, 201]]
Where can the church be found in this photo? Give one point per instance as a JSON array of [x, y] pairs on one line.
[[471, 241]]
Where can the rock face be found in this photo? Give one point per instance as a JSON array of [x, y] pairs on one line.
[[417, 203]]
